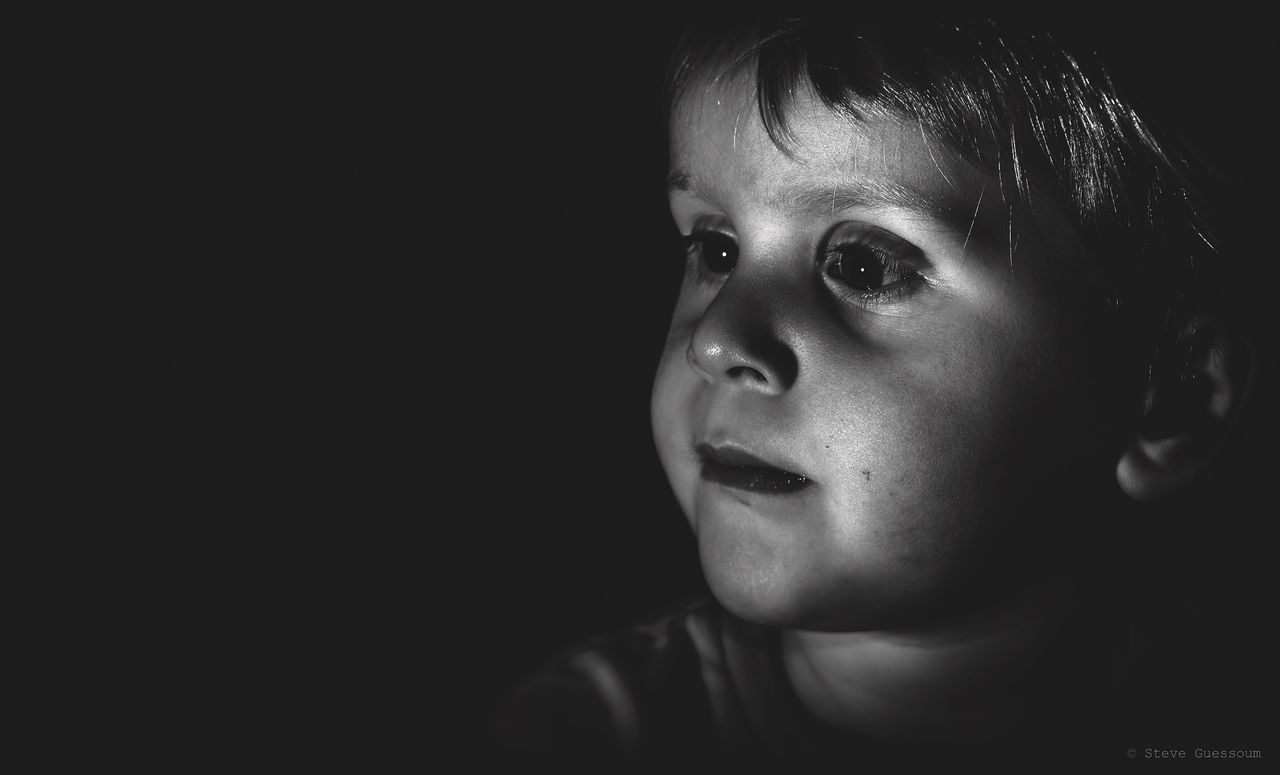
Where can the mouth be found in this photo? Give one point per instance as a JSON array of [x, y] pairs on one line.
[[731, 467]]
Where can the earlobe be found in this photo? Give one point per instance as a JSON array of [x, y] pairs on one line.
[[1150, 469], [1187, 418]]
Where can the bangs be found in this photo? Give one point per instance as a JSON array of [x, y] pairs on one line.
[[1008, 101]]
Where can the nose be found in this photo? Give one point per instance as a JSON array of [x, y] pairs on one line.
[[740, 340]]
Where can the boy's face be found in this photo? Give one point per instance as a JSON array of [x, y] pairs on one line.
[[912, 393]]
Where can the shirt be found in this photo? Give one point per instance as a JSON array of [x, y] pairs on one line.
[[703, 684]]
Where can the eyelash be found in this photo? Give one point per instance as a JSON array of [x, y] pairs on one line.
[[908, 282]]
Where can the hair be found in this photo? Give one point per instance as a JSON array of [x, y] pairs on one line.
[[1029, 106]]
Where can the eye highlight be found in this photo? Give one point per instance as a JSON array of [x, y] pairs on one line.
[[870, 265]]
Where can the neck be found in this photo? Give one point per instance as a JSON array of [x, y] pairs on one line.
[[969, 681]]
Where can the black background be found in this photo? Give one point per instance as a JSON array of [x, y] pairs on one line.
[[366, 315], [355, 323]]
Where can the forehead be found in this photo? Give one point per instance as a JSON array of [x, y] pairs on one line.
[[720, 142], [721, 152]]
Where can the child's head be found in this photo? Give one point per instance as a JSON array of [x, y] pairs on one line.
[[933, 322]]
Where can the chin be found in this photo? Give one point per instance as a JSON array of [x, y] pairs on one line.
[[747, 602], [764, 591], [767, 591], [746, 585]]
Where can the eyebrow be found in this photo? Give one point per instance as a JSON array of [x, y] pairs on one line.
[[857, 193]]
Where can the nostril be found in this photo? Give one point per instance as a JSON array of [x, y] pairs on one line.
[[746, 373]]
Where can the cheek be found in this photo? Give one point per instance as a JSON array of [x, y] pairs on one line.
[[931, 448], [672, 392], [673, 370], [904, 484], [673, 374], [662, 406]]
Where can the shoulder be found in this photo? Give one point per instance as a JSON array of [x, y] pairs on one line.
[[646, 687]]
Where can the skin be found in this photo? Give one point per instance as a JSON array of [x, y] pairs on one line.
[[951, 431]]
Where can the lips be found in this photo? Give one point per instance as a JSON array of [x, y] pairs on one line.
[[733, 467]]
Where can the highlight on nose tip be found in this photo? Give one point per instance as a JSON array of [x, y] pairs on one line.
[[772, 368]]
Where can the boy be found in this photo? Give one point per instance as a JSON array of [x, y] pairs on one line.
[[934, 333]]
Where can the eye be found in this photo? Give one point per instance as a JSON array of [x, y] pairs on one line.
[[871, 266], [713, 250], [859, 267]]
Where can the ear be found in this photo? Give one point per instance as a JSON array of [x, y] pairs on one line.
[[1188, 414]]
